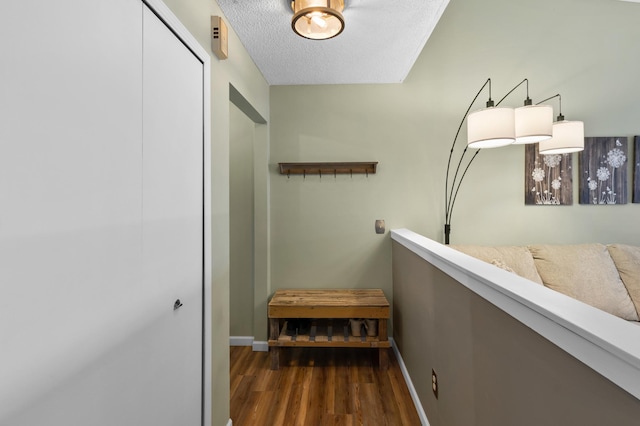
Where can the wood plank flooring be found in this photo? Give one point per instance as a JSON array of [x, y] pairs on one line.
[[317, 387]]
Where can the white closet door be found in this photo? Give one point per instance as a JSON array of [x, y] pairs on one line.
[[100, 217], [173, 217]]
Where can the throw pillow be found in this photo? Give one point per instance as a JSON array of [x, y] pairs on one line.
[[627, 260], [516, 258], [500, 264], [585, 272]]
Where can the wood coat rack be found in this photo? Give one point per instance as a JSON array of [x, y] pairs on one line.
[[328, 168]]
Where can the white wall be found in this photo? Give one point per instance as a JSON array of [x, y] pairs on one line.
[[101, 223]]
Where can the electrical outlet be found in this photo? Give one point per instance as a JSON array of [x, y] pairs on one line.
[[434, 383]]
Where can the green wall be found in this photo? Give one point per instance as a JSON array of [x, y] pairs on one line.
[[323, 229], [241, 208]]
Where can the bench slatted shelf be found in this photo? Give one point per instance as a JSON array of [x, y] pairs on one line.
[[329, 312]]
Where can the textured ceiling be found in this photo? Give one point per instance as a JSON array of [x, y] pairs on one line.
[[380, 42]]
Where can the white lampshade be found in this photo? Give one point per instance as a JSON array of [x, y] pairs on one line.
[[568, 136], [491, 128], [317, 19], [533, 123]]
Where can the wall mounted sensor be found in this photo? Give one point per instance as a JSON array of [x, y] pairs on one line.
[[219, 38]]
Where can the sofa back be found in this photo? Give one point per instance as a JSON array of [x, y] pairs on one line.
[[606, 277], [514, 259]]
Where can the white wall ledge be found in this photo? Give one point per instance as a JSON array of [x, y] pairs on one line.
[[607, 344]]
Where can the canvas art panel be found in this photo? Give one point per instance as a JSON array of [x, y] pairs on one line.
[[603, 170], [636, 170], [548, 178]]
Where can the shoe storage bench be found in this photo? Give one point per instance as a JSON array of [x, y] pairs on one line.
[[328, 312]]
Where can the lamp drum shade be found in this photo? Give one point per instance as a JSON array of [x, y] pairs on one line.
[[568, 136], [491, 127], [534, 123], [317, 19]]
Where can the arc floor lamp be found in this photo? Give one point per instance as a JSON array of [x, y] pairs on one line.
[[496, 126]]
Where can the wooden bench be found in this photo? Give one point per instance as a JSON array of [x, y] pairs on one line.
[[329, 312]]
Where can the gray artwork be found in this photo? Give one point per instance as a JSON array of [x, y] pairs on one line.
[[548, 179], [603, 170]]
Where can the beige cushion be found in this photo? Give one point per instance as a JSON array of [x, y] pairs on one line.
[[585, 272], [627, 260], [500, 264], [511, 258]]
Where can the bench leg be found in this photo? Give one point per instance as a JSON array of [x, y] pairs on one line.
[[274, 333], [383, 353], [275, 357]]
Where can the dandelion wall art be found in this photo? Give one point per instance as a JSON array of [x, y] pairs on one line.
[[636, 171], [603, 171], [548, 179]]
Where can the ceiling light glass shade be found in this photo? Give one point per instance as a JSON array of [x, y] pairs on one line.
[[533, 123], [317, 19], [491, 128], [568, 136]]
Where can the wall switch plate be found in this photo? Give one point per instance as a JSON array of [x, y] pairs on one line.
[[219, 38], [380, 228]]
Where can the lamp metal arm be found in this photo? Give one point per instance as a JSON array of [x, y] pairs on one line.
[[560, 116], [449, 194], [526, 101], [455, 195], [551, 97]]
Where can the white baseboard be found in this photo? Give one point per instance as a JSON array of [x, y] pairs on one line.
[[259, 346], [412, 390], [240, 340]]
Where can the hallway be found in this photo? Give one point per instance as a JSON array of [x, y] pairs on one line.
[[318, 386]]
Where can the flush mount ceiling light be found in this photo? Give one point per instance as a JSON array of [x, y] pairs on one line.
[[317, 19]]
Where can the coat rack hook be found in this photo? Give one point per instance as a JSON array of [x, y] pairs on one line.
[[367, 172], [288, 174], [351, 173], [320, 173], [304, 173], [335, 173]]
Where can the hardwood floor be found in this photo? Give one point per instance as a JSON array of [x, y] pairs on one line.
[[318, 386]]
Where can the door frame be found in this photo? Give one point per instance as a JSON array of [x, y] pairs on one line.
[[180, 31]]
